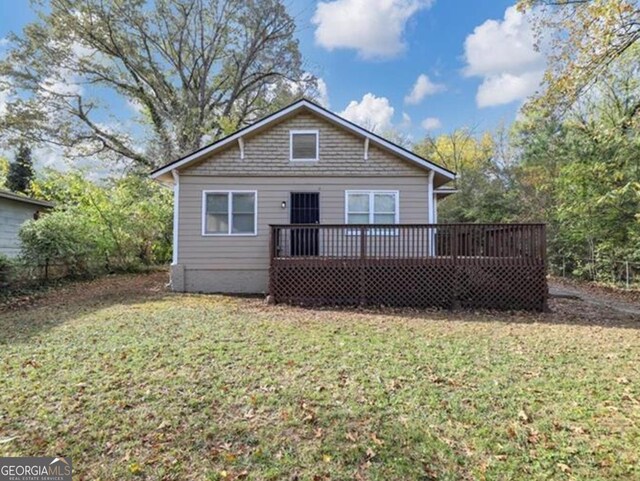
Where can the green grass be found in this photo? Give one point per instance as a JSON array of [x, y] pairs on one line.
[[136, 383]]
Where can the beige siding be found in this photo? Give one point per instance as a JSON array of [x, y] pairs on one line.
[[341, 153], [251, 252]]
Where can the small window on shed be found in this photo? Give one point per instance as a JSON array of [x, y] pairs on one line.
[[304, 144]]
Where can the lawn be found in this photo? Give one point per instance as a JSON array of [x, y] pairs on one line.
[[133, 382]]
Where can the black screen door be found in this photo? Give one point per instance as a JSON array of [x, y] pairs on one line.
[[305, 209]]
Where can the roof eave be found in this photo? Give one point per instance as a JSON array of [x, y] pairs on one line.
[[26, 200], [380, 141]]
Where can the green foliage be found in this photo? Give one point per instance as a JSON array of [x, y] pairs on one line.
[[20, 171], [59, 239], [584, 41], [118, 224], [484, 183], [4, 170], [6, 268], [583, 174], [579, 173]]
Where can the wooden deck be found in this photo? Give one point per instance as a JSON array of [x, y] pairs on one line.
[[495, 266]]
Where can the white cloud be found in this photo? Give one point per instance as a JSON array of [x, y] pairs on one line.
[[63, 82], [423, 87], [406, 122], [431, 123], [323, 93], [506, 88], [135, 106], [374, 28], [372, 113], [503, 53]]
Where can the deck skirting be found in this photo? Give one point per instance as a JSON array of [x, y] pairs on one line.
[[410, 283]]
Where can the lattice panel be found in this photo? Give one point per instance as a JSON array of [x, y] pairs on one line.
[[416, 283], [420, 285], [503, 287]]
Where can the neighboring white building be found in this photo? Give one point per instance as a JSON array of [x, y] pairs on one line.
[[15, 210]]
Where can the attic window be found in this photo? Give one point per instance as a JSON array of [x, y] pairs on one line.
[[303, 144]]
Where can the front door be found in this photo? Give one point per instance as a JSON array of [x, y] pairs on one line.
[[305, 209]]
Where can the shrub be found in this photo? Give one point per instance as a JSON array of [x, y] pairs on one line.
[[6, 270], [60, 239]]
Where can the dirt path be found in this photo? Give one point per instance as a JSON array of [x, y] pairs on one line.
[[596, 297]]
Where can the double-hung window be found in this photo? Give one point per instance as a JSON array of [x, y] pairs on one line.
[[371, 207], [229, 212]]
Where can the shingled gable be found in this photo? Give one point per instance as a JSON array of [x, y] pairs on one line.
[[164, 173]]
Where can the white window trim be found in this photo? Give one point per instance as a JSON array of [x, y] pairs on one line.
[[292, 133], [371, 193], [229, 213]]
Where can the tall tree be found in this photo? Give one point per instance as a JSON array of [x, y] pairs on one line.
[[483, 176], [20, 172], [584, 39], [190, 68], [582, 173]]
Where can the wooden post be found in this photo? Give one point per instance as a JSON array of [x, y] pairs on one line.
[[453, 245]]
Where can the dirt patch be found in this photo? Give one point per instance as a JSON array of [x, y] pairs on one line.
[[604, 300], [103, 289]]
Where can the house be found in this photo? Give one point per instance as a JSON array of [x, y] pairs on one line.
[[286, 206], [302, 164], [15, 209]]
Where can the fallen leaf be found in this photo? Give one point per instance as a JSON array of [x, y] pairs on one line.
[[524, 417]]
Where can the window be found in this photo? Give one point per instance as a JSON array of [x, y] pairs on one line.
[[229, 213], [371, 207], [303, 144]]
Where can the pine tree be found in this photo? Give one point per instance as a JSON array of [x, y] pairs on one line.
[[20, 170]]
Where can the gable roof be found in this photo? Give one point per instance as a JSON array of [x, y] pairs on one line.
[[6, 194], [165, 170]]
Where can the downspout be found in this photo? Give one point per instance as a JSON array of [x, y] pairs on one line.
[[430, 215], [435, 208], [176, 214]]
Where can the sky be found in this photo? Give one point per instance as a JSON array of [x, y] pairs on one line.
[[416, 66], [421, 66]]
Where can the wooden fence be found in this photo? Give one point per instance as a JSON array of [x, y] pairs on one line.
[[495, 266]]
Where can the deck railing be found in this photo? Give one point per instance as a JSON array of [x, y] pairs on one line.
[[496, 266], [498, 242]]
